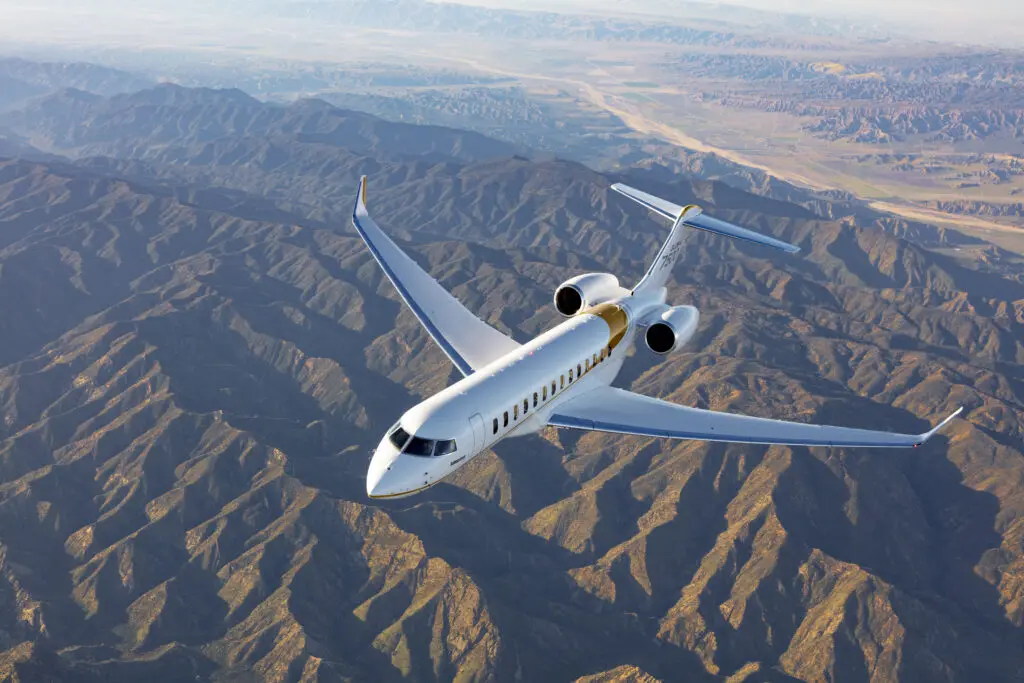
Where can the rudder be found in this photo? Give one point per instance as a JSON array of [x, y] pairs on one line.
[[661, 269]]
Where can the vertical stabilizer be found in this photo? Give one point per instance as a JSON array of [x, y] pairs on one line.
[[660, 271], [689, 217]]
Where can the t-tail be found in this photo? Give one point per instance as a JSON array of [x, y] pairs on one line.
[[687, 217]]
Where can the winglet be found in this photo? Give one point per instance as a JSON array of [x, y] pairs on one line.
[[360, 208], [929, 434]]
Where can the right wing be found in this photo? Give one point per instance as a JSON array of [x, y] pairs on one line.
[[696, 219], [468, 341], [607, 409]]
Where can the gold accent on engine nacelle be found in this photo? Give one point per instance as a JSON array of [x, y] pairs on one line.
[[617, 319]]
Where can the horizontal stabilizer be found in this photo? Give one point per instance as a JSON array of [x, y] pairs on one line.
[[701, 221]]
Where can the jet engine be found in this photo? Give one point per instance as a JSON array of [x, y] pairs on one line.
[[672, 329], [584, 291]]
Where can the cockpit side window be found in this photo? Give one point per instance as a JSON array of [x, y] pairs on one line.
[[399, 437], [444, 448], [420, 447]]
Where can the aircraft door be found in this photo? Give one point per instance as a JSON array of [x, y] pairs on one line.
[[476, 424]]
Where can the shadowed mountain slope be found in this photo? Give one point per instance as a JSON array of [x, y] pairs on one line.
[[198, 354], [21, 80], [176, 121]]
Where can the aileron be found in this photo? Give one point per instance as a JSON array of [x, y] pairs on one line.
[[622, 412]]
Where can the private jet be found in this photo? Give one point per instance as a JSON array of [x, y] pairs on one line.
[[562, 378]]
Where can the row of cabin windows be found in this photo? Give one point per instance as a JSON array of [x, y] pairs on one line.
[[581, 369]]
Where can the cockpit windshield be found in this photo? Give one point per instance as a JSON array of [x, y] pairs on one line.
[[399, 437], [418, 446], [423, 448]]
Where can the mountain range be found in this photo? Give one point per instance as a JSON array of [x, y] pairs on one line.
[[198, 353]]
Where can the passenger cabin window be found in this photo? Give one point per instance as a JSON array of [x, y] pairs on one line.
[[535, 399], [544, 393], [604, 354], [495, 430], [563, 381], [552, 389], [570, 376], [595, 359], [526, 405], [579, 370], [399, 438], [506, 418], [515, 412], [588, 365]]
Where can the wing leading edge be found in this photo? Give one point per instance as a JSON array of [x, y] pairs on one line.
[[469, 342], [614, 410]]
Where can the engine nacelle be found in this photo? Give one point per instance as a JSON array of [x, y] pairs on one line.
[[672, 329], [584, 291]]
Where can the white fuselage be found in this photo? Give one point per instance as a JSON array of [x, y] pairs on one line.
[[512, 396]]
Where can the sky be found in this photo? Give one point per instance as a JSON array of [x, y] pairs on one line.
[[993, 22]]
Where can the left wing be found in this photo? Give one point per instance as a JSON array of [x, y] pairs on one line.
[[614, 410], [468, 341]]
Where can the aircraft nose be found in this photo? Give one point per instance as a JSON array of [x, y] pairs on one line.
[[376, 475]]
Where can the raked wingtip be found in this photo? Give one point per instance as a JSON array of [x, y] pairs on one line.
[[935, 430], [360, 208], [947, 420]]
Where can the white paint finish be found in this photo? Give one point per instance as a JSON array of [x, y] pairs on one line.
[[514, 373], [469, 342]]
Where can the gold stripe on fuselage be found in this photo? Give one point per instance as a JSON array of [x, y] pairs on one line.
[[617, 319], [403, 494], [618, 324]]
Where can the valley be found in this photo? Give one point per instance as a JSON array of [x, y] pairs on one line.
[[198, 354]]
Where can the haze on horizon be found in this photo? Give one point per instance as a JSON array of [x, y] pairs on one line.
[[984, 22], [163, 23]]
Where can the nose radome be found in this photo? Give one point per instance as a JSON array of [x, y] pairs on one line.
[[373, 477], [376, 474]]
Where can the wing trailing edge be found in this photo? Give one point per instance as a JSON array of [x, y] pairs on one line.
[[469, 342], [623, 412]]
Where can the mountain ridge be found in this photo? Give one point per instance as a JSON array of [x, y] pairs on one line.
[[199, 355]]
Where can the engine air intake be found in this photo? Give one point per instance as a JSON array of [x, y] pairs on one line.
[[586, 291], [568, 301], [672, 329], [660, 338]]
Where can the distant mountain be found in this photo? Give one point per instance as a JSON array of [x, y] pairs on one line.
[[170, 120], [14, 146], [425, 16], [21, 79]]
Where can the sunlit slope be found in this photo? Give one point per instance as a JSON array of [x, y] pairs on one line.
[[192, 379]]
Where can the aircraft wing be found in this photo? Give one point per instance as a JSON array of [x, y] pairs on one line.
[[700, 221], [608, 409], [469, 342]]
